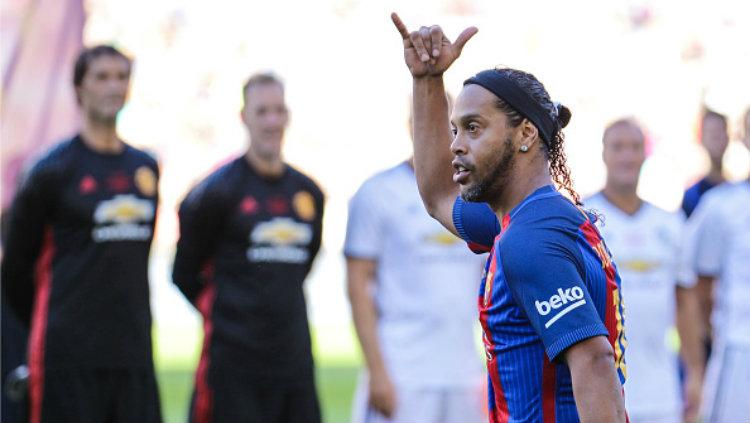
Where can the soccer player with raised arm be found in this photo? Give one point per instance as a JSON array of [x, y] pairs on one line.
[[549, 304], [76, 262], [249, 233]]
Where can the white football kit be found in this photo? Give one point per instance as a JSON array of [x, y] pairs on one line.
[[425, 293], [718, 246], [646, 248]]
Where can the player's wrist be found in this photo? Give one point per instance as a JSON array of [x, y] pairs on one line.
[[429, 78]]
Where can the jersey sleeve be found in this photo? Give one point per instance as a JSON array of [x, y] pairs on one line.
[[705, 242], [25, 231], [544, 272], [364, 226], [200, 218], [476, 223], [677, 238], [319, 199]]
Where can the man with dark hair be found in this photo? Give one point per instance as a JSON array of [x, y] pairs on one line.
[[76, 262], [647, 241], [248, 235], [717, 255], [550, 304], [714, 137]]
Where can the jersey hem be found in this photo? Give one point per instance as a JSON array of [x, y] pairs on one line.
[[571, 338]]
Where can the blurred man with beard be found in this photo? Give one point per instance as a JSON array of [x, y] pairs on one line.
[[76, 262], [249, 233]]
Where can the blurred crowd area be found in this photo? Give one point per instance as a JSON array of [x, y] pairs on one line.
[[661, 63]]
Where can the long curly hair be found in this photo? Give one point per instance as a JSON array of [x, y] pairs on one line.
[[553, 148]]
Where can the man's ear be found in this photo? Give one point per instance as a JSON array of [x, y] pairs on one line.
[[529, 133]]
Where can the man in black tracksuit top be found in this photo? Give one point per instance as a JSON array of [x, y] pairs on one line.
[[248, 236], [76, 263]]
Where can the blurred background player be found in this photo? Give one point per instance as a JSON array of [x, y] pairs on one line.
[[645, 241], [248, 235], [714, 137], [549, 304], [717, 253], [76, 262], [409, 285]]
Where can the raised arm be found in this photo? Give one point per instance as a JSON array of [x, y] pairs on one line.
[[428, 53]]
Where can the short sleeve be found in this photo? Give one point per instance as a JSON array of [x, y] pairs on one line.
[[677, 237], [704, 243], [542, 272], [476, 223], [365, 223]]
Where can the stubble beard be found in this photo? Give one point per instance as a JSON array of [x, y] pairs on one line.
[[492, 186]]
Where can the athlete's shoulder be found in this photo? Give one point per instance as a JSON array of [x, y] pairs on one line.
[[305, 181], [660, 214], [720, 196], [726, 199], [218, 187], [144, 156], [384, 180], [52, 162], [551, 211]]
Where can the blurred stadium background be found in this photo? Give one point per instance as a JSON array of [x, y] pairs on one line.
[[347, 89]]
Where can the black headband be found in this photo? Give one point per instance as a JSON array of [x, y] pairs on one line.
[[502, 86]]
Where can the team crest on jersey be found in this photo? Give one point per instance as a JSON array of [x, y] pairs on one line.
[[280, 240], [145, 181], [304, 205], [122, 219]]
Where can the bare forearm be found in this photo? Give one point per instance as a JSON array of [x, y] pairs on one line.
[[365, 320], [689, 327], [596, 388], [432, 139], [704, 297]]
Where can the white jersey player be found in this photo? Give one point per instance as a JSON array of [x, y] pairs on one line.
[[645, 243], [717, 253], [415, 317]]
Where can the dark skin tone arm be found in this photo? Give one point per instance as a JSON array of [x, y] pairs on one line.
[[428, 53], [596, 388]]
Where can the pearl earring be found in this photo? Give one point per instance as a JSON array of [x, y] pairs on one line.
[[524, 148]]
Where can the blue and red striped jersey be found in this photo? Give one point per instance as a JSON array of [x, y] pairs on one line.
[[549, 283]]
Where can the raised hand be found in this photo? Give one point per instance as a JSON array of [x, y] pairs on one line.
[[428, 52]]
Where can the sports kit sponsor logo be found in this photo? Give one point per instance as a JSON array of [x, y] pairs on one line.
[[280, 240], [123, 218], [570, 299]]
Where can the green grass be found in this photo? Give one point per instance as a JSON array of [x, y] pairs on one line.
[[336, 357], [335, 388]]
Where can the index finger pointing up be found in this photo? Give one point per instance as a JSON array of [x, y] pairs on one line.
[[400, 26]]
